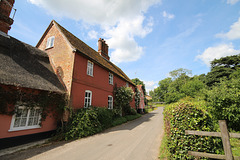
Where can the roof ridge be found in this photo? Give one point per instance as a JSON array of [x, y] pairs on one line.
[[82, 47]]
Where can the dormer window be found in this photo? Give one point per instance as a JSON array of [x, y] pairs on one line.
[[50, 42], [110, 78], [90, 68]]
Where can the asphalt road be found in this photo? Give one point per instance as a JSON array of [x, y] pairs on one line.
[[136, 140]]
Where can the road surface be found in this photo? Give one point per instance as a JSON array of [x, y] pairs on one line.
[[136, 140]]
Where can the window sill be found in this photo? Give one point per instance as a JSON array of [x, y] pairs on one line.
[[48, 48], [23, 128]]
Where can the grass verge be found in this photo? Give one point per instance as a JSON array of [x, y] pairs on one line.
[[235, 145], [163, 150]]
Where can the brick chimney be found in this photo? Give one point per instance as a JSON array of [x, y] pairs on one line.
[[5, 10], [103, 48]]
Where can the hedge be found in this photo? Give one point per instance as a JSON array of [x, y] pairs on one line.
[[183, 116]]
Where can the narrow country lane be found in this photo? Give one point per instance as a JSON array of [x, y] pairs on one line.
[[136, 140]]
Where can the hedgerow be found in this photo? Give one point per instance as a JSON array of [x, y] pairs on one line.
[[89, 121], [183, 116]]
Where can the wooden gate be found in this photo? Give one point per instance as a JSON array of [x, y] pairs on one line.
[[224, 134]]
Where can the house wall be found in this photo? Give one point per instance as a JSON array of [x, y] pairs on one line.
[[49, 124], [5, 122], [60, 55], [141, 104], [98, 84]]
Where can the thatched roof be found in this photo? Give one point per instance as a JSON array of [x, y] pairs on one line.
[[84, 50], [26, 66]]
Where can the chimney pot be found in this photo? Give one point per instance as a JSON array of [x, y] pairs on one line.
[[103, 48]]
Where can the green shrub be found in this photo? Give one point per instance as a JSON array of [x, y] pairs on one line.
[[118, 121], [223, 101], [83, 123], [105, 116], [132, 117], [183, 116]]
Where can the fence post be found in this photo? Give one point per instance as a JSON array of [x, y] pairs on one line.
[[225, 140]]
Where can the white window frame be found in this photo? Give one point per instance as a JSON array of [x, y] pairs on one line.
[[110, 79], [50, 42], [88, 99], [110, 102], [26, 126], [127, 84], [90, 68]]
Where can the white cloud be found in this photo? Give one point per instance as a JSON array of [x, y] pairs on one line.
[[234, 32], [121, 38], [232, 1], [168, 15], [150, 85], [217, 52], [92, 34], [121, 21]]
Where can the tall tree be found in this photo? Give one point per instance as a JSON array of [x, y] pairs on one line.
[[222, 68], [137, 81]]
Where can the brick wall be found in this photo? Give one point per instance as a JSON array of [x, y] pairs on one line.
[[61, 56]]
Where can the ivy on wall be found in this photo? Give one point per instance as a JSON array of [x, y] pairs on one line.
[[122, 98], [11, 97]]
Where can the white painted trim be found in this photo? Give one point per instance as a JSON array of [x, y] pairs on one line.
[[110, 82], [111, 102], [91, 68], [88, 91], [50, 42], [24, 127]]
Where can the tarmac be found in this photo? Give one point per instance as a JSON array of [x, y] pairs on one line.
[[21, 147]]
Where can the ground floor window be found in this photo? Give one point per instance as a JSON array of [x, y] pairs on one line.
[[26, 118], [110, 102], [88, 98]]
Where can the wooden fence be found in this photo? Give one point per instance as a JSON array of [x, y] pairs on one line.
[[224, 134]]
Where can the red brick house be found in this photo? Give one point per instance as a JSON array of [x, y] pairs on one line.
[[25, 75], [89, 76], [141, 103]]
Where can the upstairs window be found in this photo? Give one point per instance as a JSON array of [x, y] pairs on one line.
[[127, 84], [110, 78], [110, 102], [26, 118], [50, 42], [88, 99], [90, 68]]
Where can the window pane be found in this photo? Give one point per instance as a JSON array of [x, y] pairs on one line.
[[16, 122], [24, 113], [23, 122], [30, 121]]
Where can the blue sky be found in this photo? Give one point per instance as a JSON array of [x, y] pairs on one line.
[[147, 38]]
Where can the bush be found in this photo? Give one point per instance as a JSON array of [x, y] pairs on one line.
[[119, 120], [86, 122], [105, 116], [132, 117], [83, 123], [223, 100], [183, 116]]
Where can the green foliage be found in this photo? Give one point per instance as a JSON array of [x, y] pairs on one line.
[[137, 98], [223, 101], [122, 98], [118, 121], [83, 123], [89, 121], [183, 116], [137, 81], [180, 73], [222, 68], [49, 101], [132, 117]]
